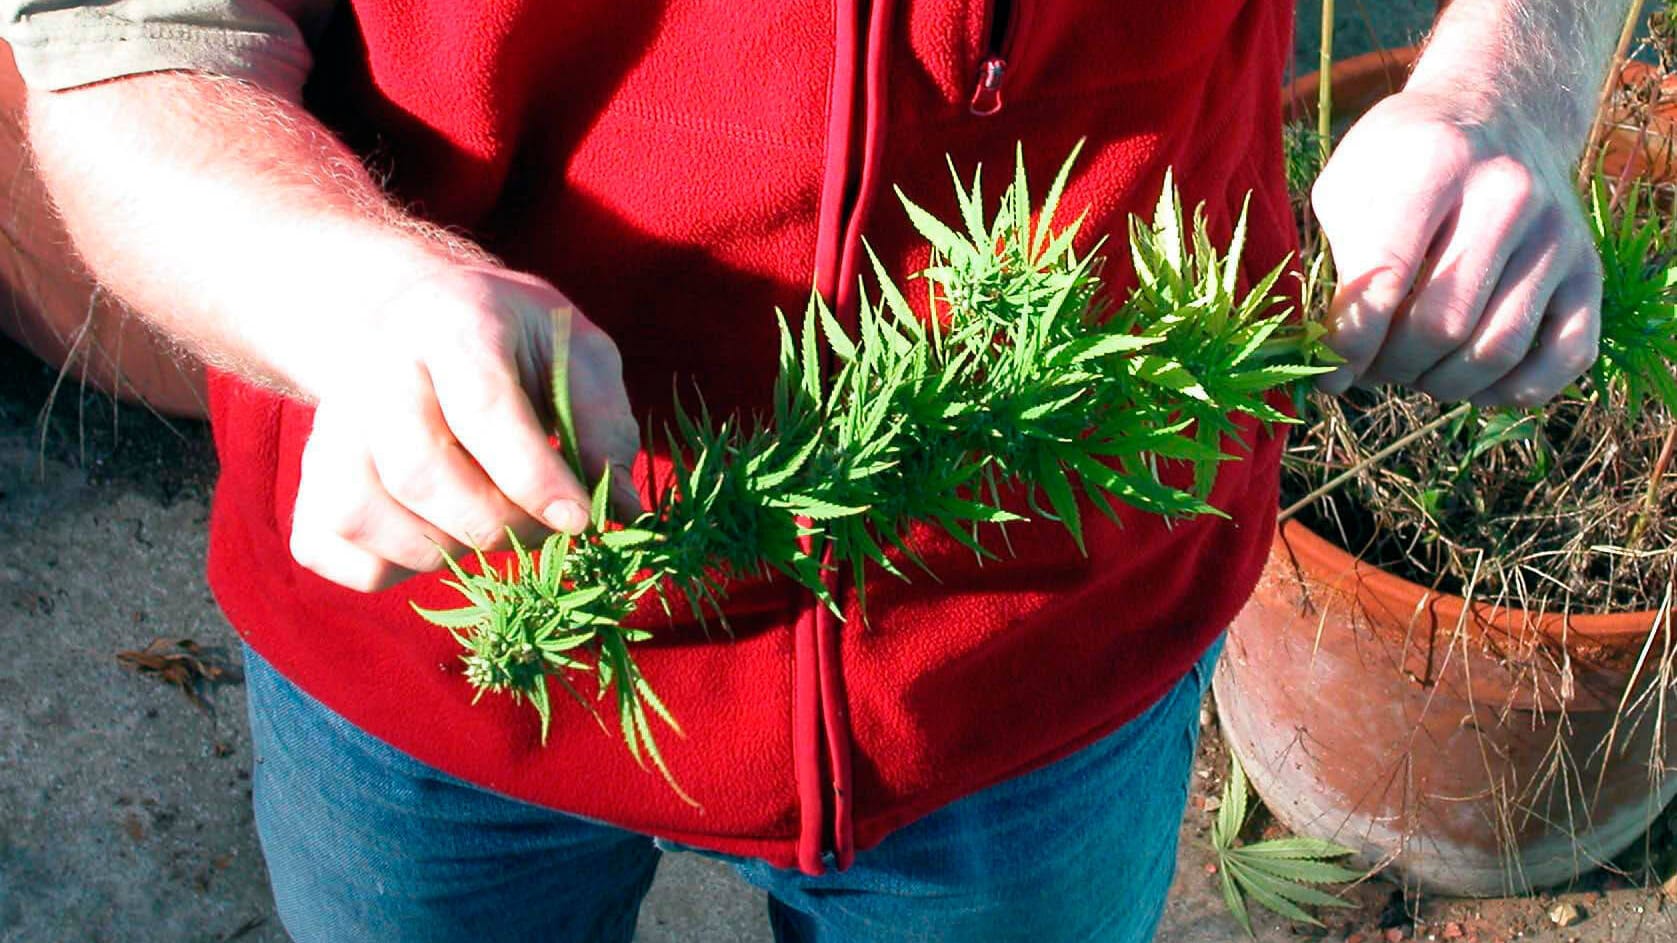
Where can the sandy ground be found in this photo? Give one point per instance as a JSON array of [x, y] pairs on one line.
[[124, 807]]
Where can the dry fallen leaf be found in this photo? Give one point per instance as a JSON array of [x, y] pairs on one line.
[[179, 662], [1564, 914]]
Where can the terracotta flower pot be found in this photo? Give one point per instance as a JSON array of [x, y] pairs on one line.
[[1647, 146], [54, 309], [1477, 749], [1481, 750]]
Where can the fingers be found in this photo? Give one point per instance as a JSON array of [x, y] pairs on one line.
[[440, 446], [424, 468], [344, 563], [607, 436], [1508, 328], [1448, 300], [1380, 237], [484, 406], [1566, 347], [1460, 246], [345, 527]]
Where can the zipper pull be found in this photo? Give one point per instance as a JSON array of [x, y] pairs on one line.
[[987, 96]]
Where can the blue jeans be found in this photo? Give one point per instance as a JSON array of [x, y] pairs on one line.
[[364, 843]]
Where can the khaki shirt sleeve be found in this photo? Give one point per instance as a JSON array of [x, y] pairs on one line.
[[61, 44]]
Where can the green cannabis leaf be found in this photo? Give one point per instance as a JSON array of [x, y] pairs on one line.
[[1638, 297], [1279, 873], [1021, 381]]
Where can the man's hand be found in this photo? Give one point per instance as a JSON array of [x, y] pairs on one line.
[[1465, 265], [239, 226], [433, 443]]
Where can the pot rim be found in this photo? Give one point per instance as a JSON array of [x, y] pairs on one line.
[[1312, 554], [1366, 72]]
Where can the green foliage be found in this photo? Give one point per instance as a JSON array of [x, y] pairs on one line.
[[1638, 297], [1023, 383], [1302, 150], [1281, 873]]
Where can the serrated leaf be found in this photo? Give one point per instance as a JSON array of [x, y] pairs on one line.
[[943, 239], [1231, 815], [1051, 202], [560, 387], [1299, 870], [1266, 892], [1052, 478], [1109, 344], [626, 538], [818, 509], [464, 618], [840, 342], [600, 512], [1298, 846]]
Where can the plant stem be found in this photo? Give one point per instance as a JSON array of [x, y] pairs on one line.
[[1651, 499], [1333, 484], [1324, 85], [1586, 165]]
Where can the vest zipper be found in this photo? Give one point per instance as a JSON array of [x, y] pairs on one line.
[[992, 67], [867, 149], [821, 721]]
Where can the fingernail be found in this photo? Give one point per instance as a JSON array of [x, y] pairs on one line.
[[566, 516]]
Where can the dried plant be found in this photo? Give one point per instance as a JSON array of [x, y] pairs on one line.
[[1528, 500]]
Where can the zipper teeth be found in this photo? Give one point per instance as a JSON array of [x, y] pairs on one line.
[[998, 28], [1001, 18], [868, 143]]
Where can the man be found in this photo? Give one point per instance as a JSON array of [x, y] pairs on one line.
[[1000, 755]]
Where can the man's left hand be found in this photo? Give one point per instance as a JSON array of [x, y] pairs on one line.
[[1466, 267]]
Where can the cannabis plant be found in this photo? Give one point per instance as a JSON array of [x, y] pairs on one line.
[[1638, 298], [1024, 377], [1282, 874]]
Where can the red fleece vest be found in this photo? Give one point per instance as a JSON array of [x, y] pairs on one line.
[[680, 169]]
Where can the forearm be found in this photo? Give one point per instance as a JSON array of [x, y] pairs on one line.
[[1539, 62], [232, 220]]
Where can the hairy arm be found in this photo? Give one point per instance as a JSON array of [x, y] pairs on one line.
[[240, 226], [231, 220], [1465, 265], [1545, 59]]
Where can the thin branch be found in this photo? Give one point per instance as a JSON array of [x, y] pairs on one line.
[[1333, 484], [1651, 499], [1587, 164]]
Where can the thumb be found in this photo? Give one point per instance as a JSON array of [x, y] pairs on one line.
[[595, 422]]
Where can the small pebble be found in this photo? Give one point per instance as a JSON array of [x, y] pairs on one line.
[[1453, 931]]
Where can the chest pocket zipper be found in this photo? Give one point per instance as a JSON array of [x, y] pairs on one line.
[[992, 69]]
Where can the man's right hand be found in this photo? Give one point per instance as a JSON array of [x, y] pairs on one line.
[[429, 441], [240, 227]]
